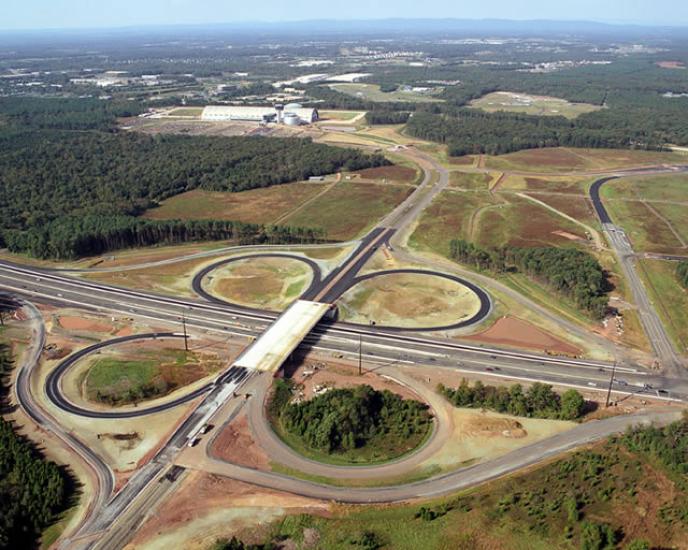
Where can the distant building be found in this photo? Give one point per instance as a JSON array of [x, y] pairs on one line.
[[257, 114]]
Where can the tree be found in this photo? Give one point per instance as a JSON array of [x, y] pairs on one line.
[[572, 405], [597, 536]]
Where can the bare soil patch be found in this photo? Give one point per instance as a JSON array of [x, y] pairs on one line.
[[83, 324], [410, 300], [207, 507], [235, 444], [512, 331]]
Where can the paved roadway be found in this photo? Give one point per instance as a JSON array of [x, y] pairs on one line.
[[662, 345], [394, 348]]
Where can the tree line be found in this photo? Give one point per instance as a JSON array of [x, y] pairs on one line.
[[539, 401], [32, 489], [64, 194], [572, 273], [682, 273], [345, 419], [73, 237], [27, 112]]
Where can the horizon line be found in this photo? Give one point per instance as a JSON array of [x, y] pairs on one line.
[[270, 22]]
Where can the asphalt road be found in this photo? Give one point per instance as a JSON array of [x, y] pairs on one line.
[[662, 344]]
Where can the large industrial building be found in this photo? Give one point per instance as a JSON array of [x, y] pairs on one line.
[[292, 114]]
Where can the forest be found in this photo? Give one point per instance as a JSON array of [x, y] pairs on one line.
[[539, 401], [345, 419], [65, 113], [682, 273], [65, 194], [32, 490], [572, 273], [72, 237]]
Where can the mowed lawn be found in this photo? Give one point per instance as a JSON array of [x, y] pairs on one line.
[[263, 205], [350, 208], [564, 159], [672, 299]]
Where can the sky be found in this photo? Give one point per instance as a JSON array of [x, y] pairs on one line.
[[44, 14]]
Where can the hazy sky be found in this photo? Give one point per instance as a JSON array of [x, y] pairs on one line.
[[32, 14]]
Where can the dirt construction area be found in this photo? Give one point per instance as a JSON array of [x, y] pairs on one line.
[[265, 283], [511, 331], [408, 300]]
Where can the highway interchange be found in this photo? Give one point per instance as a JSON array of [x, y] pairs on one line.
[[113, 515]]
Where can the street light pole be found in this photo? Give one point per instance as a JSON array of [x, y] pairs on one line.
[[360, 354], [186, 337], [611, 382]]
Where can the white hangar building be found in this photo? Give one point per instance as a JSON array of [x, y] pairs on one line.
[[258, 114]]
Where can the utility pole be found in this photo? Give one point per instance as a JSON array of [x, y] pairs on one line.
[[186, 336], [360, 354], [611, 382]]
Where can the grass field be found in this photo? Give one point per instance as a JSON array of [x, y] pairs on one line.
[[646, 231], [470, 182], [350, 208], [120, 380], [531, 105], [371, 92], [265, 283], [669, 296], [339, 115], [407, 300], [570, 185], [523, 223], [448, 217], [543, 509], [186, 111], [564, 159], [672, 188], [255, 206]]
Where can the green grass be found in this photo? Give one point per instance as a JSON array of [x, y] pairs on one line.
[[117, 381], [672, 188], [339, 115], [350, 208], [669, 297], [109, 372], [532, 105], [411, 477], [371, 92], [187, 111], [472, 182], [646, 231]]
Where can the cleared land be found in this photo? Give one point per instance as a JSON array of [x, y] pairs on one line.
[[448, 217], [564, 159], [255, 206], [350, 208], [265, 283], [532, 105], [371, 92], [647, 231], [471, 182], [186, 111], [123, 379], [670, 188], [408, 300], [339, 115], [512, 331]]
